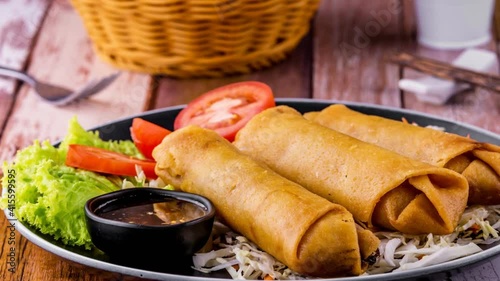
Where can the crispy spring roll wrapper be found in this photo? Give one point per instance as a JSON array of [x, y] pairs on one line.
[[304, 231], [378, 186], [478, 162]]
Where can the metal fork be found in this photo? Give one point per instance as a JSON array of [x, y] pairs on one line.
[[56, 95]]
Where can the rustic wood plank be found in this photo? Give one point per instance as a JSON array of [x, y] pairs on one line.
[[478, 107], [64, 43], [289, 78], [351, 39], [19, 24], [63, 55]]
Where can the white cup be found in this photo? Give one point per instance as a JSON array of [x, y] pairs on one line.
[[454, 24]]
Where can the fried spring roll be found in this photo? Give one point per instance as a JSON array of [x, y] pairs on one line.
[[478, 162], [304, 231], [378, 186]]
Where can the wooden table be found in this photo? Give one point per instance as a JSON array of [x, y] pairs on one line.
[[47, 39]]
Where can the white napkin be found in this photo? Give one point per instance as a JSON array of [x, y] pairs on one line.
[[437, 91]]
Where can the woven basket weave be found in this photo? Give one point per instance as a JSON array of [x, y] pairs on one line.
[[195, 38]]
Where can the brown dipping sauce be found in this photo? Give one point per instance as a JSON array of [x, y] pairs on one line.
[[169, 212]]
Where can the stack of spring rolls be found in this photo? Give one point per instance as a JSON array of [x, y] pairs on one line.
[[381, 188], [478, 162], [304, 231], [298, 189]]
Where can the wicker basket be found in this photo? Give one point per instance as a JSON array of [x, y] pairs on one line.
[[195, 38]]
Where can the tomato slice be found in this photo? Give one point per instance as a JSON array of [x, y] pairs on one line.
[[227, 109], [147, 136], [105, 161]]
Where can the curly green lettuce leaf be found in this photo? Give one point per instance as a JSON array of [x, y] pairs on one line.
[[78, 135], [50, 196]]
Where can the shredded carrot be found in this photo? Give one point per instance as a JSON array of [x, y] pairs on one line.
[[475, 228], [404, 120], [268, 277]]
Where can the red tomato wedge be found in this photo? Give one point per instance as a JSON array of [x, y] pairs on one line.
[[105, 161], [147, 136], [227, 109]]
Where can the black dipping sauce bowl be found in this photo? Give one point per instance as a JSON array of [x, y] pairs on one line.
[[139, 243]]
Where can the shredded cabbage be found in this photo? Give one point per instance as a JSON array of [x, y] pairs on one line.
[[242, 259], [140, 180]]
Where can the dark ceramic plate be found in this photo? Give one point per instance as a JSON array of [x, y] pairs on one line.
[[119, 130]]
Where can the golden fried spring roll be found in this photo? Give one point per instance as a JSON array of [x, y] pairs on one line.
[[378, 186], [478, 162], [304, 231]]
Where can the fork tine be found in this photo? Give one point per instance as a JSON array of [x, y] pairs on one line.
[[96, 86], [90, 89]]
